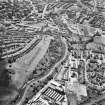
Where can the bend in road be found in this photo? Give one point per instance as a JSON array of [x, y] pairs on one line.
[[41, 78]]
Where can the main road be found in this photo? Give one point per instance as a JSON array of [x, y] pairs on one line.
[[47, 74]]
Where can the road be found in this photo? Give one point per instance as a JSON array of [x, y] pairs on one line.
[[41, 78]]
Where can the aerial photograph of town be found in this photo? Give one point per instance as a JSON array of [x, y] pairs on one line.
[[52, 52]]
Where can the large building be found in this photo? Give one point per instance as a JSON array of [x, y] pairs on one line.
[[54, 95]]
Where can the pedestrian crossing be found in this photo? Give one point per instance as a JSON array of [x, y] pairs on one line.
[[53, 94]]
